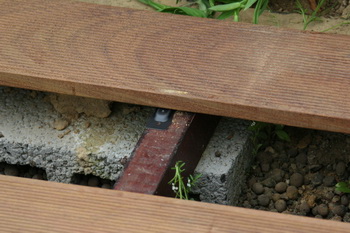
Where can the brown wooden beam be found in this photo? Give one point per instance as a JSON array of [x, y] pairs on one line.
[[29, 205], [149, 169], [192, 64]]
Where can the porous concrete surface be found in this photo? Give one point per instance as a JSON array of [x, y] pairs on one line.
[[101, 146], [88, 145], [224, 163]]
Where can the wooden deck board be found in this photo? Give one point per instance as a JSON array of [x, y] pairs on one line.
[[39, 206], [184, 63]]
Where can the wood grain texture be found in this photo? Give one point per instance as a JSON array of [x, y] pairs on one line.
[[39, 206], [178, 62]]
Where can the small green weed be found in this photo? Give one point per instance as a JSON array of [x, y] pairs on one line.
[[264, 133], [211, 8], [177, 183], [343, 187], [307, 19], [336, 26]]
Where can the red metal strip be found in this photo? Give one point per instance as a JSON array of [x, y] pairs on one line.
[[157, 151]]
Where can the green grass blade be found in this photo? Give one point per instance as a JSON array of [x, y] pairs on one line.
[[225, 15], [281, 134], [249, 4], [185, 11], [229, 1], [226, 7]]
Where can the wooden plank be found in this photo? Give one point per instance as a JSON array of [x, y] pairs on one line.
[[39, 206], [177, 62], [149, 169]]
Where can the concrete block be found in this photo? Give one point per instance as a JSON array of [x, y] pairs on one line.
[[88, 145], [224, 163], [33, 133]]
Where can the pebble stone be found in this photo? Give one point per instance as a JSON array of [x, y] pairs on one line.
[[253, 202], [265, 167], [346, 217], [317, 179], [281, 187], [344, 200], [340, 168], [314, 211], [263, 200], [292, 192], [281, 205], [329, 181], [297, 180], [276, 196], [277, 174], [269, 182], [258, 188], [301, 159], [328, 195], [251, 182], [304, 208], [339, 210], [60, 124], [336, 199], [336, 218], [322, 210]]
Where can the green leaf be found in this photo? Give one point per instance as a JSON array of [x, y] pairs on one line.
[[258, 126], [185, 11], [281, 134], [260, 7], [226, 7], [279, 127], [229, 1], [263, 7], [342, 184], [342, 187], [249, 4], [225, 15]]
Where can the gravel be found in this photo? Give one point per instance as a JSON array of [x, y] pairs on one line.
[[292, 192], [301, 176], [329, 181], [297, 180], [322, 210], [281, 187], [263, 200], [281, 205], [340, 168], [258, 188]]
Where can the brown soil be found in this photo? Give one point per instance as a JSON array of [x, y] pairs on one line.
[[330, 8]]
